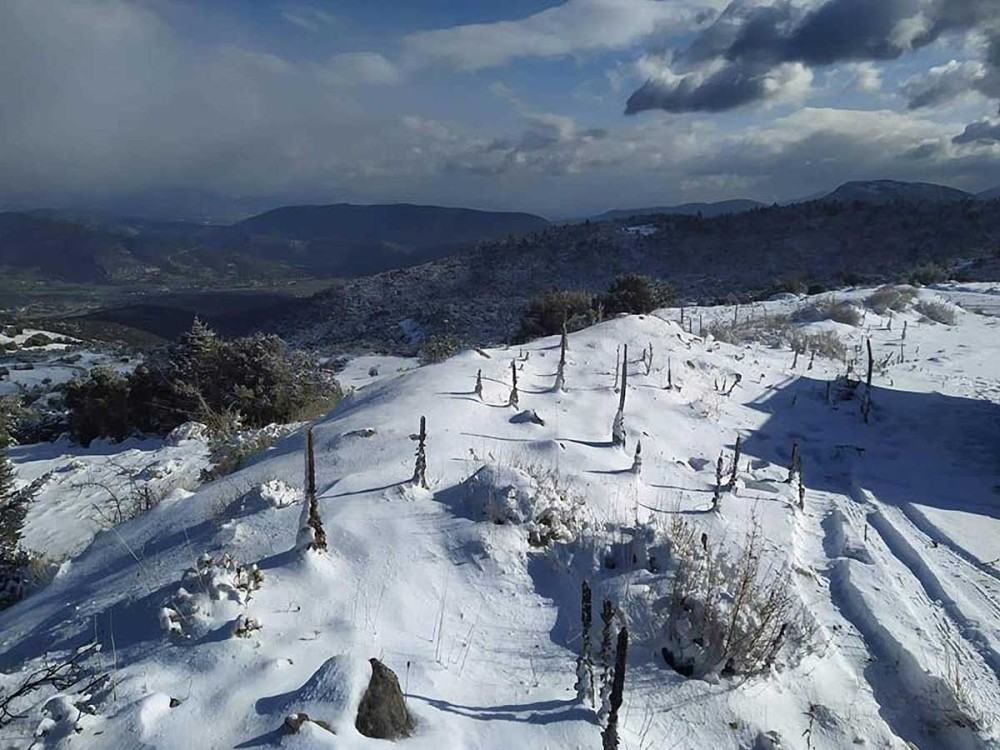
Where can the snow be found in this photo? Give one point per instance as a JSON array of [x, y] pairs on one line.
[[470, 591]]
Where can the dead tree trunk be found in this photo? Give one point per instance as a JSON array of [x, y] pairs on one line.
[[513, 399], [736, 461], [479, 385], [866, 401], [585, 661], [420, 469], [618, 427], [609, 736], [313, 523]]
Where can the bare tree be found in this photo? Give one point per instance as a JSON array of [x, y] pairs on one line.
[[420, 467], [609, 736], [618, 426], [313, 524]]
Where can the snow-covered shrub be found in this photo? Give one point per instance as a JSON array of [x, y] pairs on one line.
[[210, 589], [525, 496], [890, 297], [821, 343], [939, 312], [829, 309], [724, 614]]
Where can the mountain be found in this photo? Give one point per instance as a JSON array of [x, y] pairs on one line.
[[340, 240], [686, 209], [478, 296], [347, 239], [989, 195], [891, 191]]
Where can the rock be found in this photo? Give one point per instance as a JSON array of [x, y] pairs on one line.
[[382, 713], [295, 722], [527, 417]]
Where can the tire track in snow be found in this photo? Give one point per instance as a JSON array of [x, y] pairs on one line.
[[902, 549]]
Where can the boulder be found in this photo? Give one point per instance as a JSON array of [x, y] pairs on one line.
[[382, 713]]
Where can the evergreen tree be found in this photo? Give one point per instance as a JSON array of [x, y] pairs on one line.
[[13, 560]]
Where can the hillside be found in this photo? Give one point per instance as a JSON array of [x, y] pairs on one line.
[[686, 209], [881, 579], [478, 296], [891, 191], [340, 240], [345, 239]]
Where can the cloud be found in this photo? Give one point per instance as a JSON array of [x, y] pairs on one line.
[[308, 18], [722, 89], [944, 83], [575, 26], [984, 131], [747, 42], [358, 69]]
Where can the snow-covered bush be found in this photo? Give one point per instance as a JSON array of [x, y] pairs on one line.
[[525, 496], [777, 331], [829, 309], [939, 312], [890, 297], [211, 589], [725, 614]]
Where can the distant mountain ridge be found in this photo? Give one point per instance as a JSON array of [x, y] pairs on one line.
[[892, 191], [720, 208], [335, 240]]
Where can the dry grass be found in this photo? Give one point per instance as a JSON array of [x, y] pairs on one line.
[[939, 312], [890, 297]]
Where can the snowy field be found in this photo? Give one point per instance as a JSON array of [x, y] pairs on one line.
[[470, 590]]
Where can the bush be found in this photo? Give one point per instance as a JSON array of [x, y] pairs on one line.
[[438, 348], [726, 615], [839, 312], [939, 312], [930, 273], [637, 295], [13, 509], [545, 314], [247, 382], [99, 406], [887, 298]]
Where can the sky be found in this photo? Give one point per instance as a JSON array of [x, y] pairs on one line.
[[558, 108]]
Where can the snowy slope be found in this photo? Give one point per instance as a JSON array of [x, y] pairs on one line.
[[893, 563]]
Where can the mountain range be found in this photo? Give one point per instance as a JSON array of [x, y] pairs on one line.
[[339, 240], [870, 191]]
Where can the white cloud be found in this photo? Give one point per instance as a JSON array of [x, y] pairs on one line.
[[308, 18], [573, 27], [359, 68]]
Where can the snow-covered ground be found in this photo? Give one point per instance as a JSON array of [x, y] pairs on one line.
[[893, 565]]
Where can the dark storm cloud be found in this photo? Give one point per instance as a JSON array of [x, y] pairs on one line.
[[730, 87], [983, 131], [748, 40]]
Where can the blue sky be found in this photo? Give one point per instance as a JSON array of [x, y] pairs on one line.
[[562, 108]]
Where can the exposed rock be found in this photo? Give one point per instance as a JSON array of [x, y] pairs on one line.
[[382, 713], [527, 417]]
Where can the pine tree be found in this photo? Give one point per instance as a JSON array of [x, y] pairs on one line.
[[584, 663]]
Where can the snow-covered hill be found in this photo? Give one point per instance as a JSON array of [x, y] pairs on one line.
[[888, 578]]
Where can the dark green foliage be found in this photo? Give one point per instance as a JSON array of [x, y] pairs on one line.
[[546, 313], [13, 509], [99, 406], [632, 293], [250, 382], [438, 348]]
